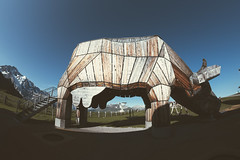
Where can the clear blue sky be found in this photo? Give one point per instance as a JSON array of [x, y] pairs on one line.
[[38, 36]]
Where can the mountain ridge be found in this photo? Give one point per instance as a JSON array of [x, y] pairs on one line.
[[21, 83]]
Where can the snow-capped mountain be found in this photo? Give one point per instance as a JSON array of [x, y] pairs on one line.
[[21, 83], [138, 107], [113, 107]]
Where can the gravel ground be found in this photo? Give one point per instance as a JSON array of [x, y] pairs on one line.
[[203, 140]]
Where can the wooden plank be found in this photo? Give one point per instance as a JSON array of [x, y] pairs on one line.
[[160, 43], [162, 51], [117, 68], [90, 73], [162, 65], [152, 96], [153, 47], [158, 92], [107, 68], [148, 68], [84, 62], [170, 71], [177, 61], [76, 80], [127, 69], [133, 85], [166, 90], [66, 83], [74, 52], [154, 79], [158, 72], [148, 115], [166, 55], [106, 46], [137, 70], [59, 91], [129, 49], [117, 48], [182, 79], [97, 65], [141, 48], [150, 82], [95, 46], [83, 76], [74, 62], [83, 48], [63, 79]]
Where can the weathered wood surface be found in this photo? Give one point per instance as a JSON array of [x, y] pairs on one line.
[[124, 65]]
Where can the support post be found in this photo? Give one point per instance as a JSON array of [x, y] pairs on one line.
[[63, 112]]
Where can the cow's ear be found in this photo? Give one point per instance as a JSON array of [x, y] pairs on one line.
[[204, 65]]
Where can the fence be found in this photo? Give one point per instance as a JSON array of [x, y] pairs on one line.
[[104, 114], [17, 103]]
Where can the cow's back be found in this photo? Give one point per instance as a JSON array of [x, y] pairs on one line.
[[124, 63]]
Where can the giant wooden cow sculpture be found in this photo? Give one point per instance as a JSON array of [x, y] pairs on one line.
[[101, 69]]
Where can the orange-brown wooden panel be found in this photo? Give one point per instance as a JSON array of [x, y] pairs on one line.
[[95, 46], [137, 69], [63, 79], [117, 48], [152, 96], [75, 62], [160, 44], [83, 76], [116, 86], [153, 80], [141, 48], [129, 49], [74, 52], [90, 72], [100, 84], [84, 62], [107, 68], [98, 68], [160, 75], [117, 68], [83, 48], [153, 47], [177, 61], [161, 63], [133, 85], [127, 69], [106, 46], [181, 77], [148, 68]]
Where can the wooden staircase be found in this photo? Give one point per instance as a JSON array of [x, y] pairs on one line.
[[40, 102]]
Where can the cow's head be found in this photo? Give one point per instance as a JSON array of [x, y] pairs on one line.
[[202, 100]]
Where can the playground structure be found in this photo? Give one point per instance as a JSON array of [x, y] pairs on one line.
[[101, 69]]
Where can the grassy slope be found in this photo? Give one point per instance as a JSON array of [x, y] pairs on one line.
[[231, 100]]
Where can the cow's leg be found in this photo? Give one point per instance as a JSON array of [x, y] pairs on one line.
[[159, 113], [81, 113], [64, 108]]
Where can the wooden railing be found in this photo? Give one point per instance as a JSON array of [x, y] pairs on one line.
[[21, 104]]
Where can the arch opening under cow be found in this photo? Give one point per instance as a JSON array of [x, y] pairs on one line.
[[109, 67]]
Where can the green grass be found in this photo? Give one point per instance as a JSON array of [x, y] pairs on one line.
[[4, 106], [12, 101], [232, 100], [124, 120]]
